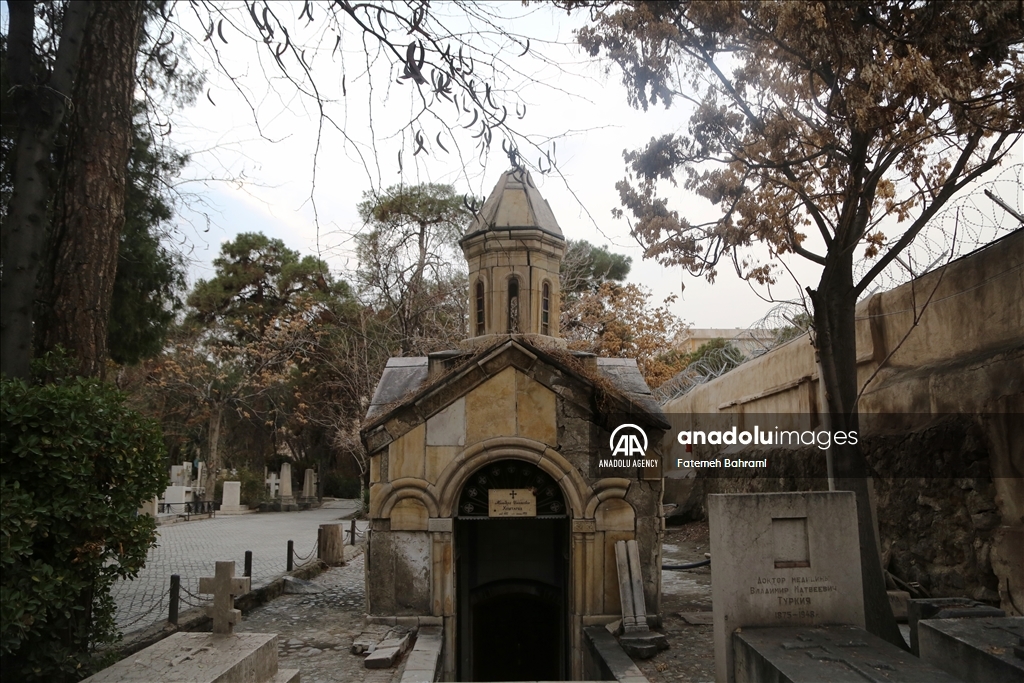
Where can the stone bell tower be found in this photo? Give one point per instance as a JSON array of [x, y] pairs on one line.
[[514, 248]]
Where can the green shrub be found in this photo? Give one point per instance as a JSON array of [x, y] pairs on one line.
[[75, 464], [336, 485], [253, 490]]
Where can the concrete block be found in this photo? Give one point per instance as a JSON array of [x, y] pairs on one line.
[[839, 654], [286, 676], [979, 649]]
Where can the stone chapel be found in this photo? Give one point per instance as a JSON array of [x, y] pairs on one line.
[[489, 514]]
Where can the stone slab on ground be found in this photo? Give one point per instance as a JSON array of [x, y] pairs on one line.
[[697, 618], [199, 658], [387, 652], [782, 559], [382, 658], [297, 586], [838, 654], [974, 649]]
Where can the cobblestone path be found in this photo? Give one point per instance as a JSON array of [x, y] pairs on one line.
[[191, 548], [315, 632]]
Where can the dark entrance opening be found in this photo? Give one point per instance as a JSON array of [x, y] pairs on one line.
[[512, 575]]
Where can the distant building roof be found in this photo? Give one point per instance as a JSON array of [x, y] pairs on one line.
[[515, 203]]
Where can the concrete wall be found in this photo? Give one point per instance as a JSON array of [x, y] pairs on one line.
[[962, 355]]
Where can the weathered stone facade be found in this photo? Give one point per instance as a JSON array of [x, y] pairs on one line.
[[507, 407]]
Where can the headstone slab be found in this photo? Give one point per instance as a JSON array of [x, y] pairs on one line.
[[286, 480], [977, 649], [309, 484], [782, 559], [838, 654], [199, 658], [231, 501]]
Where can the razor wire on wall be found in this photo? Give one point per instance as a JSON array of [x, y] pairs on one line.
[[987, 213]]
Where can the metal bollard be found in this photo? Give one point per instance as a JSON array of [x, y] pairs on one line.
[[248, 563], [172, 610], [319, 533], [291, 555], [352, 532]]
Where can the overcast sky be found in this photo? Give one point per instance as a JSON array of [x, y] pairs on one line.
[[576, 104]]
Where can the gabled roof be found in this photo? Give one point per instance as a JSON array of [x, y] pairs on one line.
[[405, 397], [515, 204]]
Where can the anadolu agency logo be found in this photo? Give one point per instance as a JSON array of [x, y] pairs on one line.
[[628, 444]]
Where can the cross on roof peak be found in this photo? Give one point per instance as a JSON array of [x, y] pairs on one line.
[[224, 587]]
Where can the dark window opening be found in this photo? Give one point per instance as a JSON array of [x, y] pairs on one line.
[[513, 306], [545, 310], [479, 308]]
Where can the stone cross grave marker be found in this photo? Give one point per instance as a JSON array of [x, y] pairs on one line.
[[782, 559], [224, 587]]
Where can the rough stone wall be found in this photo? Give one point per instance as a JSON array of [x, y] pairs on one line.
[[935, 532]]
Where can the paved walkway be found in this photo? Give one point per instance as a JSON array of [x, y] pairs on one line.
[[191, 548]]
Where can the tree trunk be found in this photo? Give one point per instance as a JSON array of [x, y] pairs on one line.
[[213, 452], [77, 290], [40, 106], [835, 338]]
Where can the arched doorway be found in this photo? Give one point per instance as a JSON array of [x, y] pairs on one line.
[[512, 569]]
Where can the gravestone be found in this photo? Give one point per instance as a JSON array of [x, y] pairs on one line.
[[287, 498], [782, 559], [224, 587], [231, 499], [637, 639], [309, 485], [272, 485], [218, 657]]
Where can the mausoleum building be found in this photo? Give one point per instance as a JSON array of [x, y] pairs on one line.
[[489, 513]]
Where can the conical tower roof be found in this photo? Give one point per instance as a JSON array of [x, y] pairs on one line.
[[516, 204]]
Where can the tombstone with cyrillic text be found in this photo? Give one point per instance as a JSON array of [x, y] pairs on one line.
[[782, 559]]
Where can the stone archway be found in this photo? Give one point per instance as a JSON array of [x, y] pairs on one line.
[[512, 575]]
